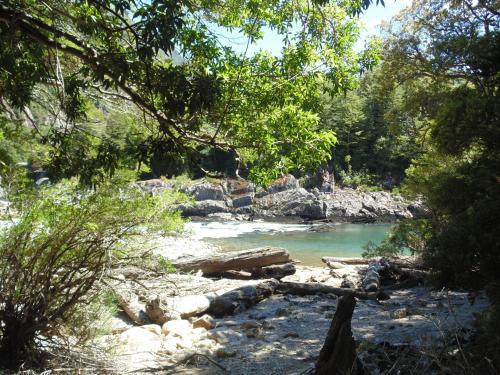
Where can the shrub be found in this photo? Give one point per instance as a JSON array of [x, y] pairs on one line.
[[407, 235], [60, 246], [356, 178]]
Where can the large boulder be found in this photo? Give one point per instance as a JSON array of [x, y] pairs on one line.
[[203, 208], [188, 306], [284, 200], [136, 348], [205, 191], [176, 327], [253, 211], [356, 206], [242, 201], [385, 206], [335, 211], [296, 202], [344, 205], [311, 210]]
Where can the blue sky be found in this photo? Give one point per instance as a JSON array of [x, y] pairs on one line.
[[375, 15], [370, 19]]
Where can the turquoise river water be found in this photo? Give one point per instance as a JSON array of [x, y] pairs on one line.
[[304, 242]]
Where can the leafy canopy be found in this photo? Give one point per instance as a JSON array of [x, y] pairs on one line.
[[169, 60]]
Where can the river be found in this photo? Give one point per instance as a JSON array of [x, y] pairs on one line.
[[306, 243]]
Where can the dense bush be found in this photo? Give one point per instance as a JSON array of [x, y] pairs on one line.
[[356, 179], [60, 246], [407, 236]]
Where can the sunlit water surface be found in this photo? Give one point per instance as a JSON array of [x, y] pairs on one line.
[[303, 241]]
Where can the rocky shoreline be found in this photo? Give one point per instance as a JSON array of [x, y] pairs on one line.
[[282, 334], [287, 200]]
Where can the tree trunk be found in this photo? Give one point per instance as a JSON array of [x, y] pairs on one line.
[[338, 355], [236, 261], [17, 342]]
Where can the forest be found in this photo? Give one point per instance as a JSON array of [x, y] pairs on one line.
[[126, 126]]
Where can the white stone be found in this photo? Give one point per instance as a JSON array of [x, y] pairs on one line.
[[136, 348], [185, 343], [207, 343], [176, 327], [154, 328], [188, 306]]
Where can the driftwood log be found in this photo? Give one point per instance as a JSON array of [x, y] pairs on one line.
[[371, 278], [236, 300], [400, 277], [242, 298], [275, 271], [412, 262], [177, 307], [347, 260], [338, 355], [235, 261], [304, 289], [237, 275]]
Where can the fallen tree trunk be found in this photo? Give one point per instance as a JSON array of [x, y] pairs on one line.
[[236, 275], [236, 261], [242, 298], [276, 271], [400, 261], [409, 273], [338, 355], [350, 261], [371, 279], [304, 289], [231, 302], [401, 278]]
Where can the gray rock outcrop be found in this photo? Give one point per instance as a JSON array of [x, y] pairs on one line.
[[205, 191], [204, 208], [285, 198]]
